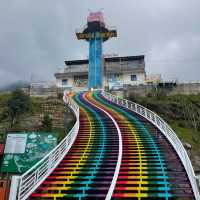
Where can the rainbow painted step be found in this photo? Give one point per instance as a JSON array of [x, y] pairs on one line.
[[88, 168], [150, 167]]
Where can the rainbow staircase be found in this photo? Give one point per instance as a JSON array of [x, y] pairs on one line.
[[117, 154], [150, 167], [88, 168]]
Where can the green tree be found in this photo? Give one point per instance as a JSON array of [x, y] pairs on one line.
[[47, 123], [18, 104]]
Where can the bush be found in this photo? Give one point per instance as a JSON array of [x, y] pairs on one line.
[[18, 104], [47, 123]]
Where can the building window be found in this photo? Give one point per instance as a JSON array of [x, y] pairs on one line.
[[64, 82], [81, 81], [133, 77], [115, 77]]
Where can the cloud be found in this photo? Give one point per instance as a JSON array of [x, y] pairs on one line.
[[37, 36]]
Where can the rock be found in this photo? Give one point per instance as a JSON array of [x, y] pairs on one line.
[[187, 146], [196, 163]]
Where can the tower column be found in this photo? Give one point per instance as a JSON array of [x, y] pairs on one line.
[[95, 78]]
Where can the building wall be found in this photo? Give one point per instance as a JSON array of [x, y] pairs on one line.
[[70, 82], [139, 90], [122, 79], [115, 74], [124, 66], [187, 88], [144, 90], [153, 78], [140, 79]]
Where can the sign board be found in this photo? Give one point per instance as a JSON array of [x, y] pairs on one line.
[[89, 36], [37, 145], [15, 143]]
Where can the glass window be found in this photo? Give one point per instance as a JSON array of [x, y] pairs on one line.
[[64, 82], [133, 77], [81, 81]]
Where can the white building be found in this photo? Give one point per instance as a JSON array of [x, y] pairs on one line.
[[118, 71], [153, 78]]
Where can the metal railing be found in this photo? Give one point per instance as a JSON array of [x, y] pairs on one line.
[[165, 129], [30, 180]]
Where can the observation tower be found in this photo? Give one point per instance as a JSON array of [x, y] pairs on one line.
[[96, 32]]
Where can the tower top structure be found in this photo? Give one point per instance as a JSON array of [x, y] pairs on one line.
[[96, 27], [96, 16]]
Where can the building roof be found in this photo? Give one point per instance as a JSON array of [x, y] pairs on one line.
[[124, 58], [76, 62], [110, 59]]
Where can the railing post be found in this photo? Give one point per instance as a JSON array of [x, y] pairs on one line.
[[145, 113], [36, 177], [14, 187], [109, 96], [49, 162], [137, 109], [126, 104], [133, 107], [198, 180]]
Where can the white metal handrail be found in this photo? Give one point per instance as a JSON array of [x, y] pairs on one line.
[[30, 180], [117, 169], [165, 129]]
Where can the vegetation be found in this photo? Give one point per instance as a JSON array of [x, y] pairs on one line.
[[35, 105], [187, 135], [18, 104], [47, 123], [19, 112]]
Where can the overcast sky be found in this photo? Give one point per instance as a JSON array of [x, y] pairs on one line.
[[36, 36]]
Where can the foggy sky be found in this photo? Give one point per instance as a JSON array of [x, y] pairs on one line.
[[36, 36]]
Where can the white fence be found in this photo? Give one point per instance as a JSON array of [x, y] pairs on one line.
[[165, 129], [30, 180]]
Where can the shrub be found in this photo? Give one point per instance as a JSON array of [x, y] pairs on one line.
[[47, 123]]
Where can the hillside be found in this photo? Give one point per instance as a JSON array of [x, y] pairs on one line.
[[62, 119]]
